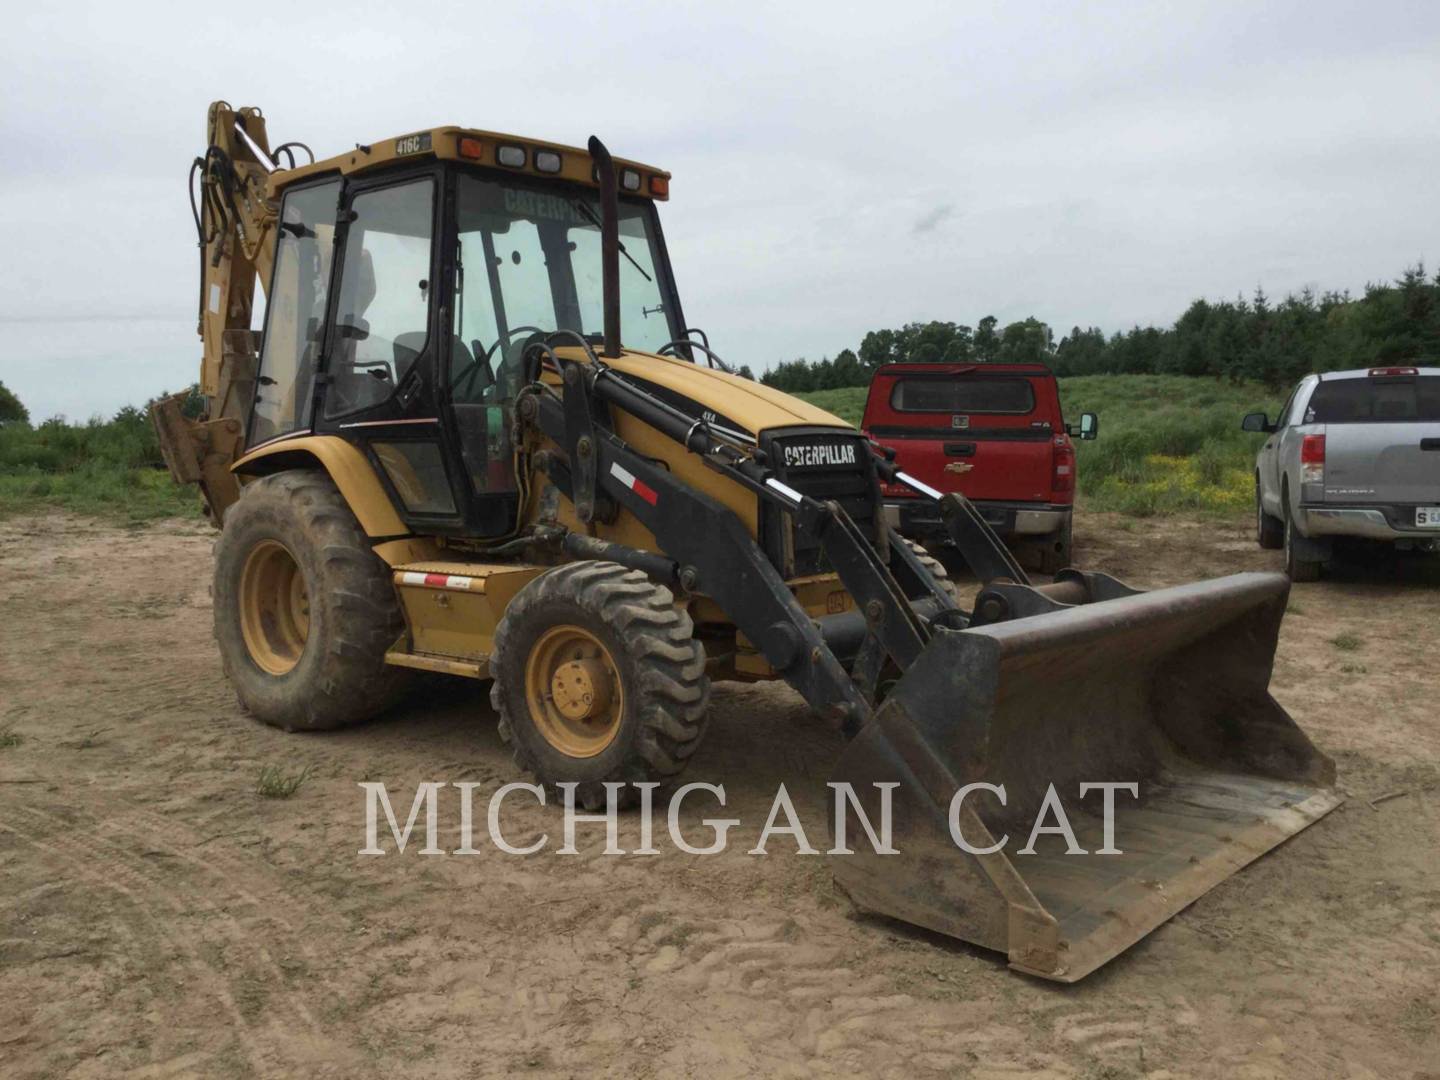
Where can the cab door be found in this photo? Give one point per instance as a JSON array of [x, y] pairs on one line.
[[379, 385]]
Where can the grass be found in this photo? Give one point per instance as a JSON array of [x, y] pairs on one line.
[[1346, 642], [10, 737], [133, 496], [105, 468], [275, 783], [1167, 443]]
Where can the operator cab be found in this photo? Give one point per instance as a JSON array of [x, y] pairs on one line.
[[409, 280]]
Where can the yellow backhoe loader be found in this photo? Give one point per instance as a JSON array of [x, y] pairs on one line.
[[443, 454]]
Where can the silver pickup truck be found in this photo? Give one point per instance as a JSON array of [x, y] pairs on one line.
[[1352, 454]]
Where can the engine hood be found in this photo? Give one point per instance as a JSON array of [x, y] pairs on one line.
[[729, 401]]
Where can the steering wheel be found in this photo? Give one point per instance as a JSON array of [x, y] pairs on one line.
[[481, 363]]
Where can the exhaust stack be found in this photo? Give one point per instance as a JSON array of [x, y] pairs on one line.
[[609, 244]]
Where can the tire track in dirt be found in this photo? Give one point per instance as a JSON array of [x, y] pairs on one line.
[[83, 848], [836, 1014], [134, 888]]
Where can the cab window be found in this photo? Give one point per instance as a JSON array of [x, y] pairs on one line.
[[295, 312], [963, 394], [382, 313]]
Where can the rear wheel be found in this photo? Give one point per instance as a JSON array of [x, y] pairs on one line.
[[304, 610], [1269, 530], [1054, 550], [1296, 568], [598, 677]]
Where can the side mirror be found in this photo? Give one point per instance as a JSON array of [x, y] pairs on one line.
[[1257, 422], [1088, 428]]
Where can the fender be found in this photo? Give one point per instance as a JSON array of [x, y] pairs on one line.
[[346, 464]]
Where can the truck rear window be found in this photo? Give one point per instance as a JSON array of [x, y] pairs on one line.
[[963, 394], [1384, 399]]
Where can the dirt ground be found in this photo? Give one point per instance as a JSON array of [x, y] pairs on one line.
[[158, 917]]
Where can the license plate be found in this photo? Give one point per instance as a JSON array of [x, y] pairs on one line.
[[1427, 517]]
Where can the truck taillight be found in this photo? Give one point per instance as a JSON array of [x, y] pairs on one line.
[[1312, 459], [1062, 477]]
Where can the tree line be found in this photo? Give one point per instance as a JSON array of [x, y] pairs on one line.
[[1275, 343]]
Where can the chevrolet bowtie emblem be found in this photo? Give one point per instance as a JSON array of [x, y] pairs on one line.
[[959, 467]]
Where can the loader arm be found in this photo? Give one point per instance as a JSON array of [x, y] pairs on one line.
[[1082, 682]]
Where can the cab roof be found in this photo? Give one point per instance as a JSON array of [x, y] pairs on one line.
[[484, 148]]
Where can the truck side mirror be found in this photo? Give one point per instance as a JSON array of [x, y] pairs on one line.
[[1088, 428], [1257, 422]]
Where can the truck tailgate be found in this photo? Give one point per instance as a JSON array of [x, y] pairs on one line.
[[1382, 463], [1005, 464]]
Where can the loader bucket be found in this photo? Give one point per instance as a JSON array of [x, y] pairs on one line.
[[1167, 689]]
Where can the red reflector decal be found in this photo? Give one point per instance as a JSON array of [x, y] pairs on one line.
[[634, 483]]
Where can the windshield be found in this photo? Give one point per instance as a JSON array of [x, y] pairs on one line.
[[529, 259]]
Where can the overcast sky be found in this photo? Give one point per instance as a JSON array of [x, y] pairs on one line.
[[837, 167]]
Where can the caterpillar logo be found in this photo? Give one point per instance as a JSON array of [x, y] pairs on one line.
[[818, 455]]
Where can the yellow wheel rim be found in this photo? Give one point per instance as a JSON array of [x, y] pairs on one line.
[[274, 607], [573, 691]]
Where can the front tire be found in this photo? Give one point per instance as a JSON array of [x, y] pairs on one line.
[[598, 678], [304, 610], [937, 569]]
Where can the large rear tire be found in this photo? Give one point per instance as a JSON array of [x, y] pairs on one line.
[[304, 610], [598, 678]]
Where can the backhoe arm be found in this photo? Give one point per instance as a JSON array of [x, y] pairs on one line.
[[235, 224]]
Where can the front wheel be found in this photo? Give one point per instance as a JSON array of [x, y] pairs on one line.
[[598, 678]]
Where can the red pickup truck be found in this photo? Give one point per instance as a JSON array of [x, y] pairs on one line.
[[994, 433]]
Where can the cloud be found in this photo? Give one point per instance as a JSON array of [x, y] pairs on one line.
[[1112, 161], [931, 219]]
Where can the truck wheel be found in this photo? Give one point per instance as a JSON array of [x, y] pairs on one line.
[[1296, 568], [598, 677], [1054, 551], [304, 610], [1269, 530]]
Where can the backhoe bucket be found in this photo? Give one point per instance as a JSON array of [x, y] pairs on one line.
[[1167, 690]]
